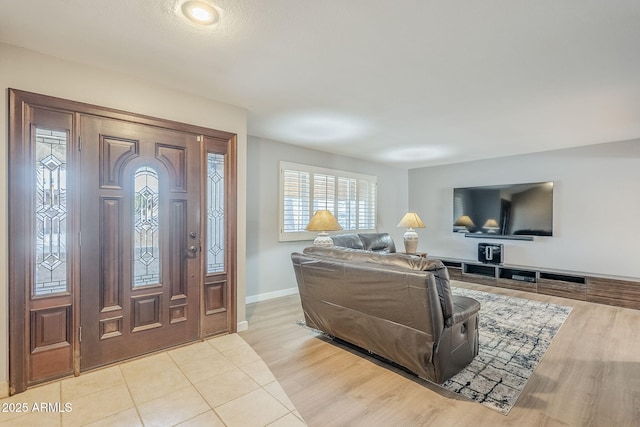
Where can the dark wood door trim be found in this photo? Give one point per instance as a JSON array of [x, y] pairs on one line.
[[21, 106]]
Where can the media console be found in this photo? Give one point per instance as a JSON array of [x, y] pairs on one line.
[[583, 287]]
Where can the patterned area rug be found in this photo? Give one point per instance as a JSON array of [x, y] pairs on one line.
[[514, 335]]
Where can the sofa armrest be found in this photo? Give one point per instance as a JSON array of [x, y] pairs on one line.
[[463, 308], [459, 342]]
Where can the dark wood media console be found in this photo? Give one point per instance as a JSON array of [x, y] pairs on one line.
[[583, 287]]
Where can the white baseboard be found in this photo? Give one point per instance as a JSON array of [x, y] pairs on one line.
[[4, 389], [271, 295], [242, 326]]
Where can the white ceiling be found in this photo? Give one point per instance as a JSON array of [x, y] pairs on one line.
[[409, 83]]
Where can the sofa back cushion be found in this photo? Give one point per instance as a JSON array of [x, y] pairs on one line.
[[347, 241], [396, 294], [361, 255], [377, 242], [434, 266]]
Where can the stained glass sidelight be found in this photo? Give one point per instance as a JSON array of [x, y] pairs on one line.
[[146, 249], [50, 212], [215, 213]]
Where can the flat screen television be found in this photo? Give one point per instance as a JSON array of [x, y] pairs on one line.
[[503, 211]]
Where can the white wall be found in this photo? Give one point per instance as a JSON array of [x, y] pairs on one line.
[[33, 72], [269, 269], [596, 207]]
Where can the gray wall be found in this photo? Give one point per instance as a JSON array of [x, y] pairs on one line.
[[269, 270], [596, 207]]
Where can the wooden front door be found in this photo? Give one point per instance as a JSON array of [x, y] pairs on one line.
[[122, 236], [140, 242]]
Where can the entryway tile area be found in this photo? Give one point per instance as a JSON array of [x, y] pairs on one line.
[[219, 382]]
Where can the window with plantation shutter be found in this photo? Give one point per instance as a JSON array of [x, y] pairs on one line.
[[304, 189]]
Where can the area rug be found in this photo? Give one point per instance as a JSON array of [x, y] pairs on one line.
[[514, 335]]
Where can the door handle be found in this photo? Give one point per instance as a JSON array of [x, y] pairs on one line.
[[193, 249]]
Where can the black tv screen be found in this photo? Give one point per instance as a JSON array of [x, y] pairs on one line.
[[504, 210]]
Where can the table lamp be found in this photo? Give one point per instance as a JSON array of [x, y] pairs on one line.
[[411, 220], [323, 221], [464, 221], [491, 226]]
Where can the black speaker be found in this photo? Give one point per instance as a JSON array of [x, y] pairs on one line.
[[490, 253]]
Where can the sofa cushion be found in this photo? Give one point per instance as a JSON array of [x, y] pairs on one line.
[[360, 255], [412, 262], [377, 242], [347, 241]]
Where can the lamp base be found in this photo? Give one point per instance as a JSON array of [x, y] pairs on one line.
[[410, 241], [323, 239]]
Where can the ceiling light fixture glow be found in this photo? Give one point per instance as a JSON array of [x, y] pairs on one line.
[[318, 128], [414, 153], [200, 12]]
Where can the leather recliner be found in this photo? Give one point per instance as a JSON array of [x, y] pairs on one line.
[[395, 306]]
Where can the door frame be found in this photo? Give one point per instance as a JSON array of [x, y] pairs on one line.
[[20, 273]]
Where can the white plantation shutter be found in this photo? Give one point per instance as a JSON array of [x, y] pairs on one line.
[[347, 203], [296, 186], [324, 192], [366, 205], [305, 189]]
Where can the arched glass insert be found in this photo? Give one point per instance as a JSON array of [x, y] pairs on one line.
[[215, 213], [50, 212], [146, 246]]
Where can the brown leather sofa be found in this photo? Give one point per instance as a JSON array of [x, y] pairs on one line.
[[396, 306]]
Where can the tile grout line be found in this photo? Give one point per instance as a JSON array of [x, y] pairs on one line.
[[196, 388], [126, 383], [260, 386]]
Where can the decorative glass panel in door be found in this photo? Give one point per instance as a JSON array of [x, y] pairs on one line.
[[50, 212], [215, 213], [146, 251]]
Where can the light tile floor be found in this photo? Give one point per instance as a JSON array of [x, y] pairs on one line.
[[219, 382]]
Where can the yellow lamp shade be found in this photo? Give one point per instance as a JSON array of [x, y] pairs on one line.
[[491, 223], [323, 220], [464, 221], [411, 220]]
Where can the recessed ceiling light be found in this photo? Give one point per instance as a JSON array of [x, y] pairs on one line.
[[200, 12]]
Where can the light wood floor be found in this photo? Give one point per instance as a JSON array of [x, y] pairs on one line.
[[590, 375]]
